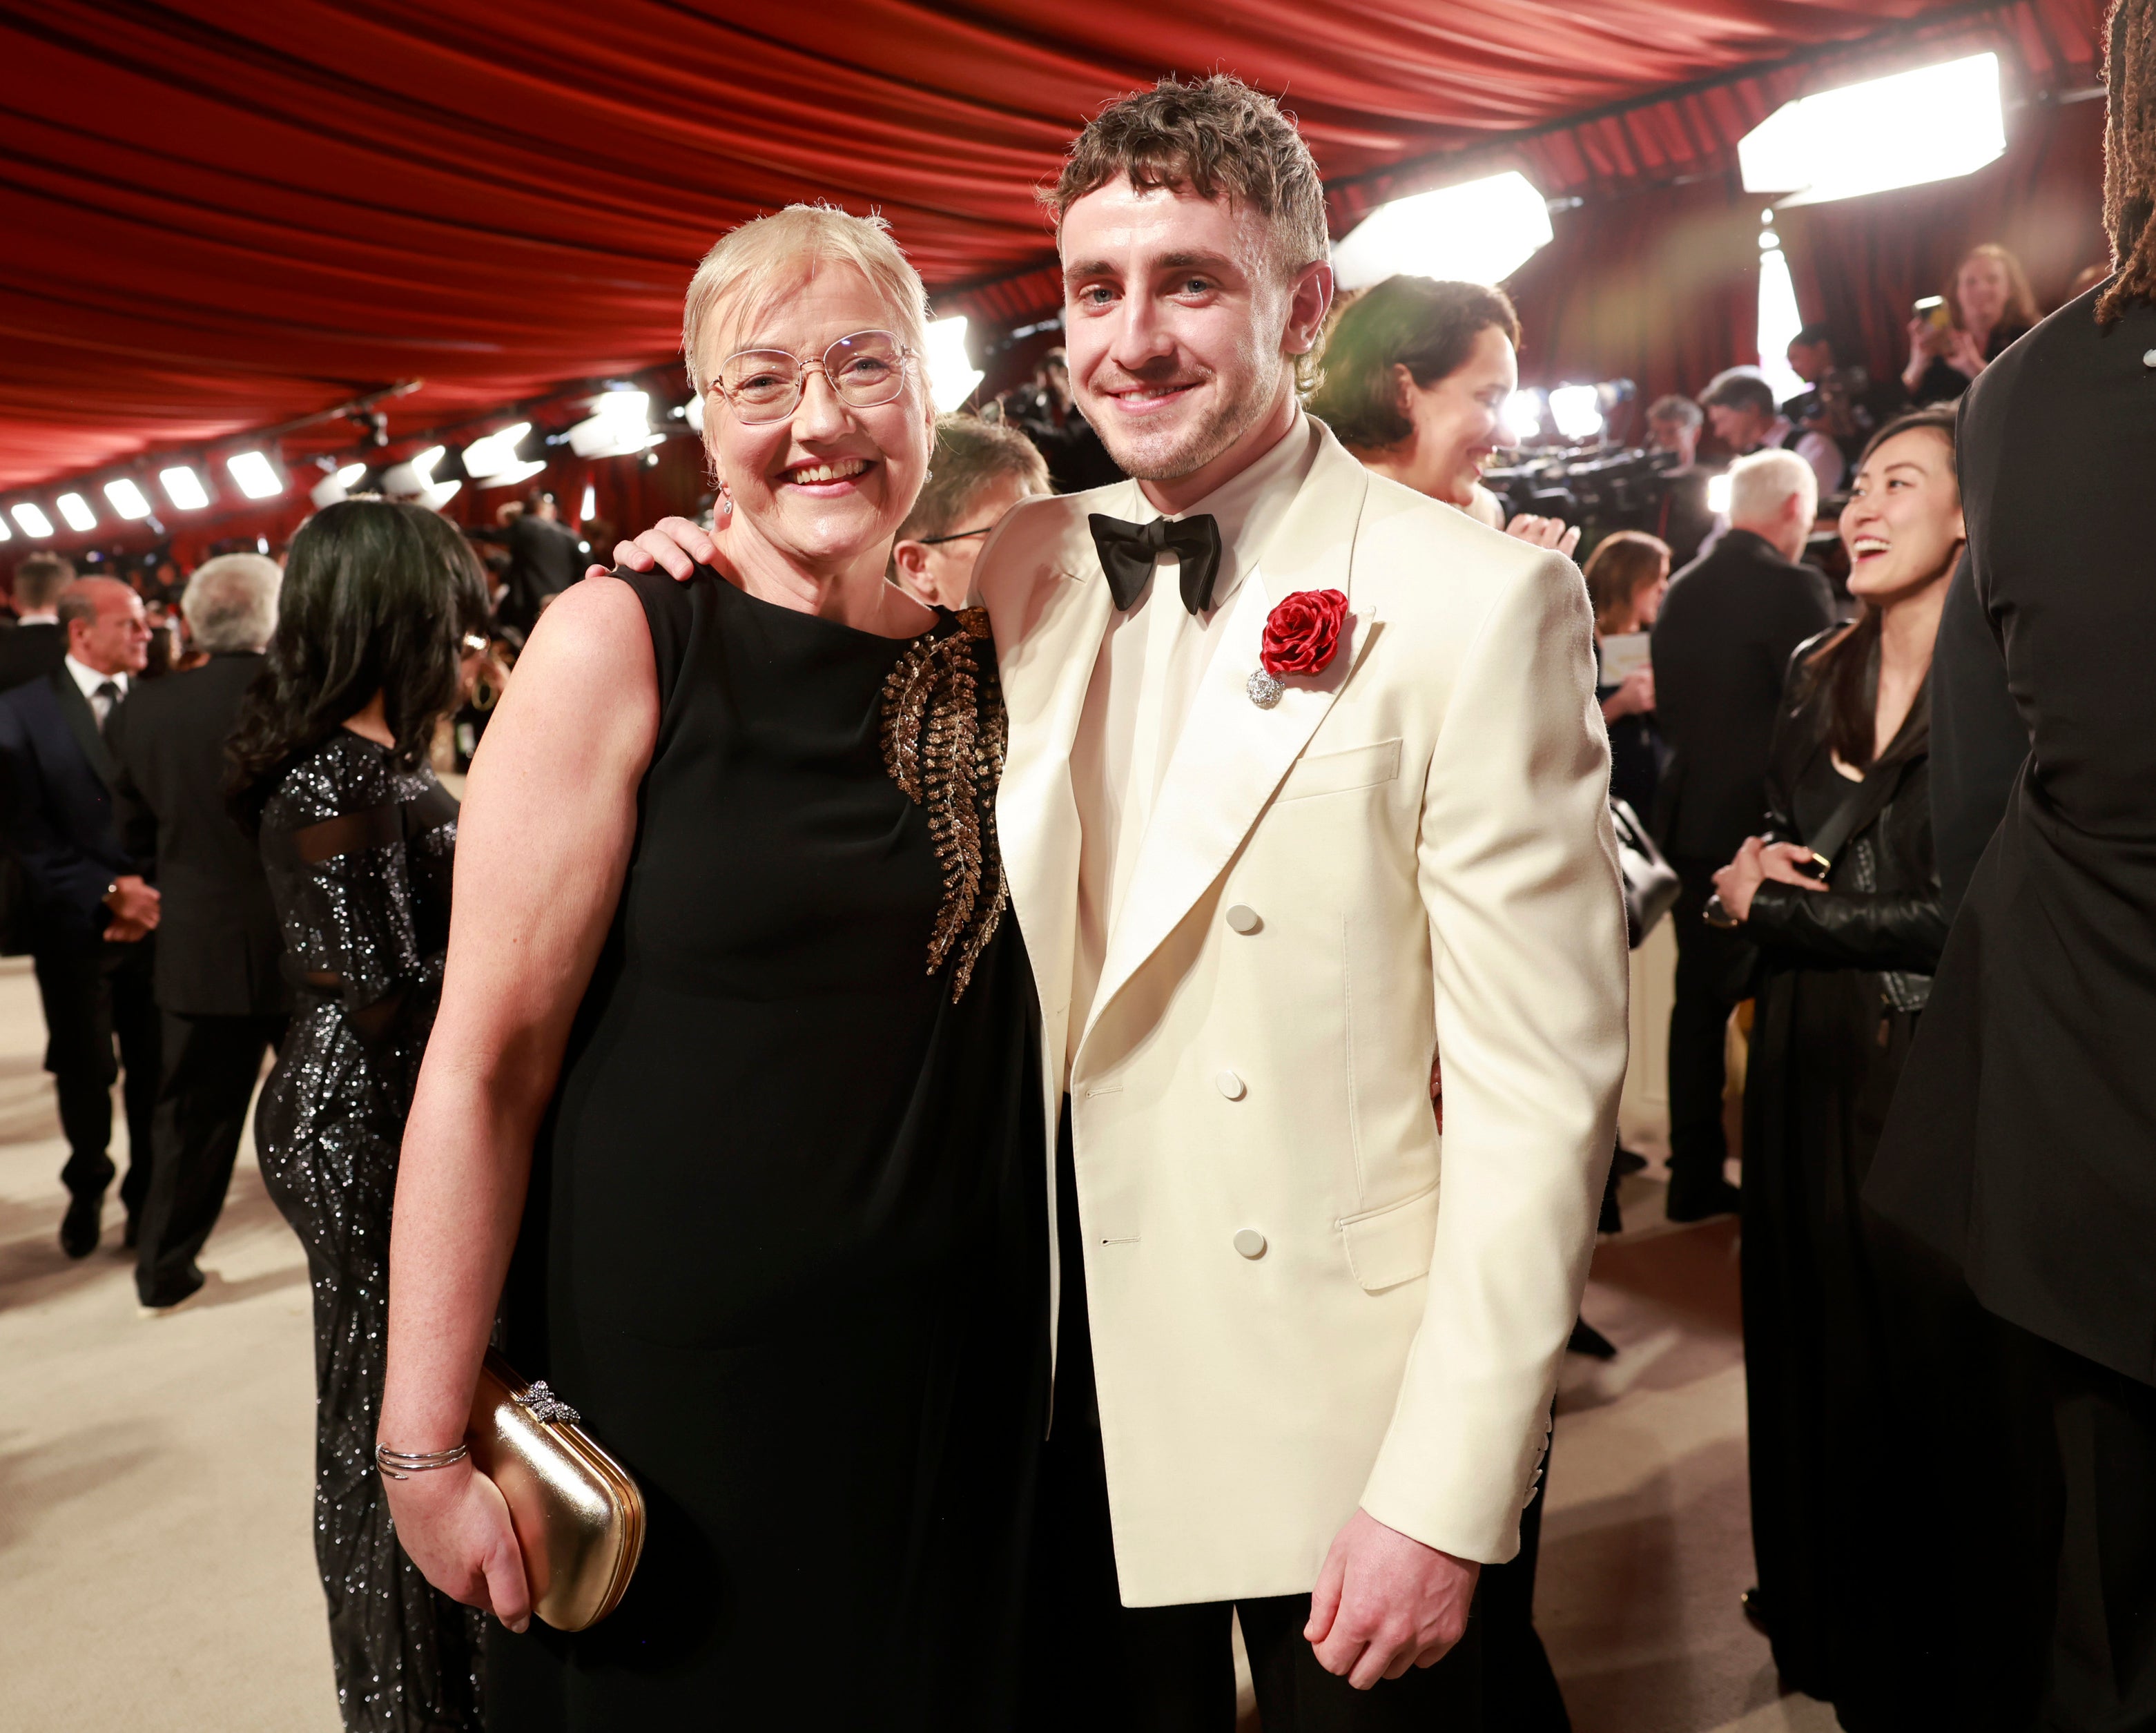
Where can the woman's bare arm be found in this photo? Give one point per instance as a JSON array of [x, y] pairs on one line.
[[542, 845]]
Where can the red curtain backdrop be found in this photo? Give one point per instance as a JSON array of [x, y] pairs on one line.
[[225, 217]]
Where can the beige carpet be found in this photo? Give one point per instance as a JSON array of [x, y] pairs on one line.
[[156, 1573]]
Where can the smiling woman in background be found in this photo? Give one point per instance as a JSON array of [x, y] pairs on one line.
[[1988, 305], [1416, 376], [1869, 1458]]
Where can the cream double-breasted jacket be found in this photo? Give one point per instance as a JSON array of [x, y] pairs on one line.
[[1301, 1301]]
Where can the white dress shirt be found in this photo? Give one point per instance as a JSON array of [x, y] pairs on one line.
[[1151, 662], [90, 680]]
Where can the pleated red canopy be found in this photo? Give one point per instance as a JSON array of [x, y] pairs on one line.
[[225, 217]]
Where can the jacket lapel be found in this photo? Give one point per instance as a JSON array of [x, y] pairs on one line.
[[82, 723], [1045, 663], [1232, 755]]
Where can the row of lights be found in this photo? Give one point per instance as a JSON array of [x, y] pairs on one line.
[[254, 473], [618, 425]]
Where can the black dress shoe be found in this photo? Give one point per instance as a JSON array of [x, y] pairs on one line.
[[1629, 1162], [1698, 1202], [79, 1226], [161, 1304]]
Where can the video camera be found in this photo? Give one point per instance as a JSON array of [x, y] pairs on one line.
[[1599, 488]]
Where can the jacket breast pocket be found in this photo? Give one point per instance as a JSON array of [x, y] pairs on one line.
[[1335, 773], [1388, 1246]]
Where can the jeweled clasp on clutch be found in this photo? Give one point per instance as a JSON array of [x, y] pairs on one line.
[[546, 1405]]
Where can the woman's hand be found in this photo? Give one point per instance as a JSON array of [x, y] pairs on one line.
[[1756, 862], [1544, 533], [1635, 697], [1964, 353], [453, 1525], [1926, 340], [676, 543]]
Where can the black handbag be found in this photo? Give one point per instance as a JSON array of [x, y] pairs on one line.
[[1651, 886]]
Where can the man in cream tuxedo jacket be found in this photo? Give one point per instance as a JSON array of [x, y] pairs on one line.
[[1318, 1344], [1306, 1350]]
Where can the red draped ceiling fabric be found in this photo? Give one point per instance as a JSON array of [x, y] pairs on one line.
[[222, 218]]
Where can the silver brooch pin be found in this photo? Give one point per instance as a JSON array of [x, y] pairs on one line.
[[546, 1405], [1264, 691]]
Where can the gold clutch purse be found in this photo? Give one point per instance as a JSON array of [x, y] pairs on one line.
[[578, 1517]]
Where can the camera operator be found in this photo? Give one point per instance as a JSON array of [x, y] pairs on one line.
[[1683, 519], [1842, 403], [1741, 408], [1416, 376], [1044, 412]]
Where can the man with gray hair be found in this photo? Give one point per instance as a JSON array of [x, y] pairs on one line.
[[1723, 640], [220, 995]]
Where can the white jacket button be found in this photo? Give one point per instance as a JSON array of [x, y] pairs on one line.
[[1249, 1242], [1229, 1085], [1243, 917]]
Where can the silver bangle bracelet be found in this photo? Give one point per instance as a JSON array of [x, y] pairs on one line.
[[401, 1465]]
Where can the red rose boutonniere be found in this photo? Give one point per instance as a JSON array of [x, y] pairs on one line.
[[1302, 635]]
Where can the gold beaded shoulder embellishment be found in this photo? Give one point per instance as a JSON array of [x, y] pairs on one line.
[[944, 735]]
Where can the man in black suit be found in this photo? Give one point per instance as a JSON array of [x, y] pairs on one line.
[[2022, 1139], [219, 990], [1722, 645], [34, 646], [91, 914], [545, 558]]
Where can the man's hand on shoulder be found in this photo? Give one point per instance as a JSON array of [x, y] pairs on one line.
[[673, 544], [1385, 1603]]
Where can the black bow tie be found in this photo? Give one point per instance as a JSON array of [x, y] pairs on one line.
[[1127, 552]]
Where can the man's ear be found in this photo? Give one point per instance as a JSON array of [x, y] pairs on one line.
[[1308, 302], [909, 568], [1404, 387]]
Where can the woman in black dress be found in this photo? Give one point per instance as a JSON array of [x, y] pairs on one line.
[[736, 1027], [1883, 1490], [357, 838]]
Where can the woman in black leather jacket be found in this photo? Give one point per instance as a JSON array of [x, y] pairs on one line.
[[1850, 1328]]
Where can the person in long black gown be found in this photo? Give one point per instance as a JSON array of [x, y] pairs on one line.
[[1873, 1443], [358, 840], [730, 949]]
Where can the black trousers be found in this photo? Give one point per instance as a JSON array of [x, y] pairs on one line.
[[1093, 1662], [1699, 1024], [211, 1065], [2103, 1641], [97, 997]]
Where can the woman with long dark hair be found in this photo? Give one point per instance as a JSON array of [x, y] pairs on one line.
[[358, 838], [1866, 1363]]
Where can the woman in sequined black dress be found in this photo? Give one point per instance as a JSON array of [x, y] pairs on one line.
[[734, 988], [358, 840]]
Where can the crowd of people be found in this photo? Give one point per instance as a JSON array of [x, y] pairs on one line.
[[939, 1023]]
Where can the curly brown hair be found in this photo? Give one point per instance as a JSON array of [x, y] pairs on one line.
[[1217, 137]]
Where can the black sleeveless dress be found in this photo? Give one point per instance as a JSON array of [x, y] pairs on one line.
[[786, 1243]]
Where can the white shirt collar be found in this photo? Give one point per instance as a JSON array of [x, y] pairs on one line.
[[89, 678], [47, 618], [1250, 505]]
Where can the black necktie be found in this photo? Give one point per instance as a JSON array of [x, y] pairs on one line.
[[1127, 552], [109, 692]]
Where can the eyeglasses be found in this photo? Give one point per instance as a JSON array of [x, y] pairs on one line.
[[864, 370], [955, 536]]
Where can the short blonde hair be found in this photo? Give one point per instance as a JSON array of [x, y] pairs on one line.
[[756, 262]]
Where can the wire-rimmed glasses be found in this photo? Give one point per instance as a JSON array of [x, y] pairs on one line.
[[866, 368]]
